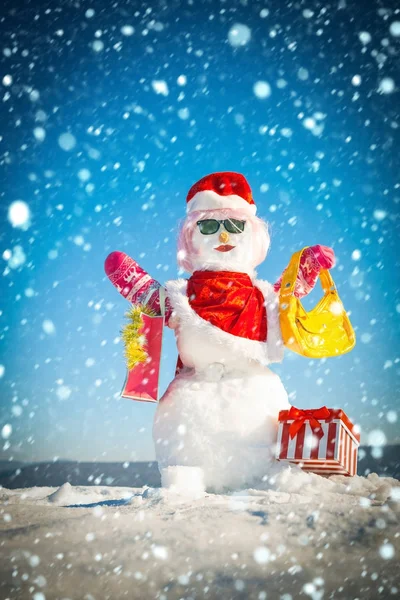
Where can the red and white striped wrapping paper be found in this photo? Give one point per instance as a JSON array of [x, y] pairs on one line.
[[334, 453]]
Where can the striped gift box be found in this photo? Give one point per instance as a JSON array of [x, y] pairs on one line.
[[320, 440]]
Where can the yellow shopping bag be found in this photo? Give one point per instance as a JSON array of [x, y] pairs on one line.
[[323, 331]]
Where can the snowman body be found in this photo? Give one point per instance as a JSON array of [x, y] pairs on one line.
[[219, 415], [215, 427]]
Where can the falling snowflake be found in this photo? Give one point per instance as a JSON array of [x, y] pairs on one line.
[[67, 141], [364, 37], [127, 30], [98, 45], [63, 392], [6, 431], [39, 134], [84, 175], [380, 214], [395, 28], [262, 89], [19, 214], [386, 85], [387, 551], [376, 437], [261, 555], [160, 87], [239, 35], [160, 552], [48, 327]]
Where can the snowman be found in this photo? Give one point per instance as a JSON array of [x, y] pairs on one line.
[[215, 426]]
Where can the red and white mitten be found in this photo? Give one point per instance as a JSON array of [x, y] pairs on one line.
[[313, 260], [134, 284]]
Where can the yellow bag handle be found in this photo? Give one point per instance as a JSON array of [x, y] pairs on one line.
[[290, 275]]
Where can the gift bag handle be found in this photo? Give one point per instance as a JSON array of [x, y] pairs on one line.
[[162, 300], [161, 295]]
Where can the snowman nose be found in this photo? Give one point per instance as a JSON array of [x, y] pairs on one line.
[[224, 237]]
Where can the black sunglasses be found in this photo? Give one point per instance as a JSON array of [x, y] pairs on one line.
[[210, 226]]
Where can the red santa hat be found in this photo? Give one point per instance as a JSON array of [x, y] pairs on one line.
[[221, 190]]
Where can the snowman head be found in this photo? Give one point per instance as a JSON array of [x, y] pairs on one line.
[[222, 240], [221, 231]]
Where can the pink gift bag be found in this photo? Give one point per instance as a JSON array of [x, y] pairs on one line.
[[142, 381]]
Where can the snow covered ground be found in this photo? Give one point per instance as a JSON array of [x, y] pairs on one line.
[[304, 537]]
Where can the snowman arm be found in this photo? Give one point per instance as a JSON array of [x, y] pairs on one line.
[[313, 260], [135, 284]]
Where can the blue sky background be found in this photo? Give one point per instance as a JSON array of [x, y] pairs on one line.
[[321, 153]]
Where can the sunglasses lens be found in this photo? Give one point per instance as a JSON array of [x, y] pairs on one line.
[[234, 225], [208, 226]]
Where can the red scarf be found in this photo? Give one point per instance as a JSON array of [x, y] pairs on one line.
[[229, 301]]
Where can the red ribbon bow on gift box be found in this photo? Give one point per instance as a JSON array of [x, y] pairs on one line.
[[314, 415]]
